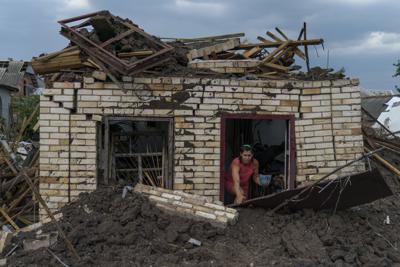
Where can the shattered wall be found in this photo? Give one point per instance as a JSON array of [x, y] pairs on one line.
[[327, 126]]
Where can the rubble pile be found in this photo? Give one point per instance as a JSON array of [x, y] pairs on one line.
[[107, 230], [113, 47], [19, 160], [377, 135]]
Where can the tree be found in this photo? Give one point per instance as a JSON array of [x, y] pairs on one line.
[[397, 73]]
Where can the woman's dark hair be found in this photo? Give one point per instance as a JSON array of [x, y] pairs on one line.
[[245, 148]]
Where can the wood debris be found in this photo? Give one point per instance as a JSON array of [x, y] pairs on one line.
[[381, 137], [18, 207], [102, 43]]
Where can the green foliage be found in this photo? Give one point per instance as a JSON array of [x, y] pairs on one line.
[[22, 107], [397, 73]]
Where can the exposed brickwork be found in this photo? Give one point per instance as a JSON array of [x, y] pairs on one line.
[[225, 66], [328, 126], [195, 206]]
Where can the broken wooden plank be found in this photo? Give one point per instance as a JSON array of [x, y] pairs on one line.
[[91, 63], [381, 124], [306, 47], [397, 151], [274, 37], [300, 34], [276, 67], [275, 52], [262, 39], [225, 54], [116, 38], [386, 164], [5, 240], [296, 50], [8, 218], [150, 179], [60, 61], [16, 201], [26, 123], [54, 54], [389, 145], [142, 53], [36, 127], [251, 52], [281, 33], [217, 48], [5, 186], [8, 162], [283, 56], [24, 220], [277, 44], [208, 38], [50, 214]]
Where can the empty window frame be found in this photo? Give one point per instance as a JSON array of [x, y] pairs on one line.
[[137, 149]]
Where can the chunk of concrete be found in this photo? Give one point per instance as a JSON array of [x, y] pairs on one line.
[[5, 239], [195, 242], [99, 75], [37, 225], [41, 241], [3, 262]]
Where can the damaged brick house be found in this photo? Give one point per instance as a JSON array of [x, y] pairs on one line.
[[187, 125], [181, 131]]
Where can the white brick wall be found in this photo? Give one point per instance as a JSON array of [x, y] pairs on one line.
[[327, 126]]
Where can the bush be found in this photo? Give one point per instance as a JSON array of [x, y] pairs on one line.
[[22, 107]]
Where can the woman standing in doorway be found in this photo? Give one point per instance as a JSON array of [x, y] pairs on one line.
[[242, 169]]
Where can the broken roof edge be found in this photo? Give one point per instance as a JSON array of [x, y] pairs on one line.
[[275, 83], [281, 83]]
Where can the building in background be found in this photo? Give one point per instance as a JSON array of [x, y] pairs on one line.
[[16, 78]]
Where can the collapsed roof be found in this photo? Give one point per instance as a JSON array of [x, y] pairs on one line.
[[118, 47]]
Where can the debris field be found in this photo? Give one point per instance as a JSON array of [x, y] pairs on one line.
[[108, 230]]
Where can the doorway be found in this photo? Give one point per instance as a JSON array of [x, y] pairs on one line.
[[273, 142]]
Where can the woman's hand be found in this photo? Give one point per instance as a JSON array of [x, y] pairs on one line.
[[239, 198]]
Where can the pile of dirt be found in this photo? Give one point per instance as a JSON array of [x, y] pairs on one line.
[[107, 230]]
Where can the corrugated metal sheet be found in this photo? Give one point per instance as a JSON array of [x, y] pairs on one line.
[[12, 79], [375, 105], [2, 71], [11, 75], [15, 66]]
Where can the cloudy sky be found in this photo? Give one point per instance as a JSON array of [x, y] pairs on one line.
[[361, 35]]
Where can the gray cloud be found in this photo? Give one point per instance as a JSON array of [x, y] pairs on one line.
[[361, 35]]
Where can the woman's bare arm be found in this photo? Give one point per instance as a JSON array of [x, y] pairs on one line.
[[239, 197]]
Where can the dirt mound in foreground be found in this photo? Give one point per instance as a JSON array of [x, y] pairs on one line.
[[107, 230]]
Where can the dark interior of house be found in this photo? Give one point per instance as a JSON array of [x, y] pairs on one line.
[[268, 139], [138, 150]]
